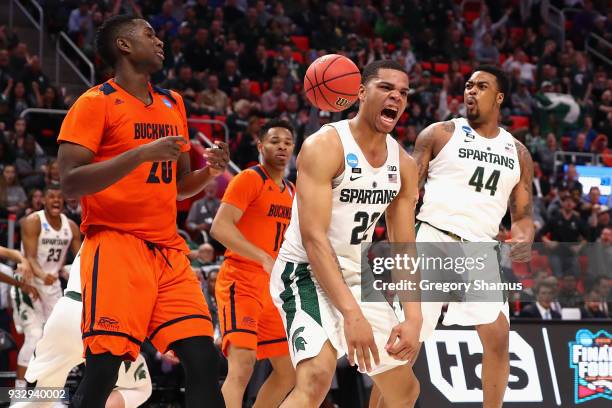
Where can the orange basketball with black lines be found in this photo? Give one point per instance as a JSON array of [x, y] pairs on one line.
[[332, 82]]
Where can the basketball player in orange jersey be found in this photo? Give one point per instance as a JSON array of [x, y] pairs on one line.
[[124, 152], [251, 222]]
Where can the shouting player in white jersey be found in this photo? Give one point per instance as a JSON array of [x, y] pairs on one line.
[[349, 174], [61, 348], [472, 169], [46, 237]]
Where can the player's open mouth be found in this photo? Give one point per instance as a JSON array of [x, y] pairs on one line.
[[160, 55], [388, 115], [470, 102]]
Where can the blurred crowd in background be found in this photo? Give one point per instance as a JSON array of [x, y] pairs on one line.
[[241, 62]]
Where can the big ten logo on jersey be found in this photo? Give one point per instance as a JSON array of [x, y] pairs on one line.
[[454, 358]]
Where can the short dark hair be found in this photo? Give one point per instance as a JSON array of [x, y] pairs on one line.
[[500, 76], [52, 186], [108, 33], [371, 70], [273, 123]]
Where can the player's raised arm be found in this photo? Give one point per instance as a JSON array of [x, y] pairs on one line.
[[521, 208], [403, 342], [314, 192]]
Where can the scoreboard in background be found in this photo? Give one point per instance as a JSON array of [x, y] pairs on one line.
[[593, 176], [552, 364]]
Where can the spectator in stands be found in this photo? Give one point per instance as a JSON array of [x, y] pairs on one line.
[[35, 201], [199, 53], [486, 52], [261, 67], [570, 181], [541, 309], [203, 259], [568, 294], [16, 137], [202, 213], [454, 49], [405, 55], [248, 30], [238, 121], [209, 295], [603, 112], [591, 204], [600, 147], [230, 79], [292, 112], [582, 77], [72, 209], [274, 99], [520, 61], [19, 58], [567, 236], [522, 101], [213, 99], [19, 99], [80, 23], [579, 146], [33, 73], [31, 165], [12, 195], [289, 83], [483, 26], [165, 20], [7, 154], [52, 173], [601, 287], [592, 307], [600, 252], [247, 154], [5, 70]]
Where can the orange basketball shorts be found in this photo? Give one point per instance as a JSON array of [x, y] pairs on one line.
[[247, 315], [132, 289]]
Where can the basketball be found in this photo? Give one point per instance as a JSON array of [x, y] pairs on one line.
[[332, 82]]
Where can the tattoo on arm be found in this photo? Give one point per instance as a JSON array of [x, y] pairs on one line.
[[520, 210], [448, 126], [423, 148]]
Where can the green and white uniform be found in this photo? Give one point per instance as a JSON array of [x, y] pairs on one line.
[[360, 195]]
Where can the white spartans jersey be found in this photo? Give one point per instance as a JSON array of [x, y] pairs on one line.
[[52, 245], [360, 195], [469, 183]]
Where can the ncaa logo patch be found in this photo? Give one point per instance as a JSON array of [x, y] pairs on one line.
[[167, 103], [352, 160], [468, 131]]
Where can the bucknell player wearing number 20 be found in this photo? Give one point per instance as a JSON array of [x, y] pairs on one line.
[[124, 150]]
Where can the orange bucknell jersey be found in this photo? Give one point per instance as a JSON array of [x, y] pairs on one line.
[[266, 211], [109, 121]]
